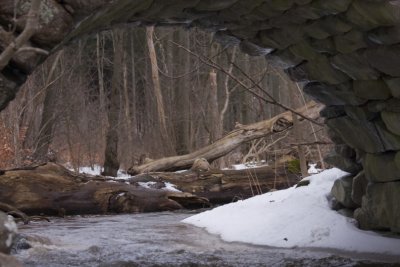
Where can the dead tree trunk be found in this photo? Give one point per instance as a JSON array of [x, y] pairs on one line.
[[111, 162], [229, 142]]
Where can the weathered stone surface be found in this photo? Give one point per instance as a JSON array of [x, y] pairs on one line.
[[385, 35], [358, 134], [392, 121], [355, 65], [389, 140], [283, 59], [325, 46], [380, 207], [211, 5], [360, 113], [8, 230], [281, 38], [345, 151], [331, 112], [371, 14], [378, 59], [345, 164], [371, 89], [359, 188], [394, 86], [381, 167], [328, 26], [342, 189], [333, 95], [320, 69], [253, 49], [331, 7], [350, 41]]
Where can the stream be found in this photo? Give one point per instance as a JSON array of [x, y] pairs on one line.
[[160, 239]]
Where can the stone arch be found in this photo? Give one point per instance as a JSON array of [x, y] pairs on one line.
[[346, 52]]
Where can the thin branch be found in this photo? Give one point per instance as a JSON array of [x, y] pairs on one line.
[[213, 64], [32, 49]]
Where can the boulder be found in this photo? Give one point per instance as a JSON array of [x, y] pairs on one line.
[[381, 167], [378, 59], [345, 164], [360, 113], [359, 188], [385, 35], [380, 208], [371, 89], [350, 41], [355, 65], [331, 112], [394, 85], [8, 230], [358, 134], [392, 121], [342, 190], [322, 70], [333, 95], [345, 151]]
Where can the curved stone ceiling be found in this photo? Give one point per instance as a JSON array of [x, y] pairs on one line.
[[347, 52]]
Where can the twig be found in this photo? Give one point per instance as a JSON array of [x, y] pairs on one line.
[[213, 64]]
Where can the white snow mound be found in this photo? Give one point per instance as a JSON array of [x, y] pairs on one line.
[[294, 217]]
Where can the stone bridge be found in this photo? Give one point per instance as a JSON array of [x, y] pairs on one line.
[[346, 52]]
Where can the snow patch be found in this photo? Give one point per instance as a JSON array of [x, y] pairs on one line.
[[294, 217]]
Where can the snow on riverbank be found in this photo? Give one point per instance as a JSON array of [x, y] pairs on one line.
[[294, 217]]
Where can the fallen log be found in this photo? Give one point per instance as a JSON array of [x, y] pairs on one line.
[[221, 147], [224, 186], [51, 189]]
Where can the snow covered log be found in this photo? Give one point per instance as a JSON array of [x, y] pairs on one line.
[[224, 186], [51, 189], [229, 142]]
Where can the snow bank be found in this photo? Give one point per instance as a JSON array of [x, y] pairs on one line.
[[294, 217]]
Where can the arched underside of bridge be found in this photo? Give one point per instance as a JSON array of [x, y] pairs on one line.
[[347, 53]]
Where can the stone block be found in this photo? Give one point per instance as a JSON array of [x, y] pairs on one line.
[[378, 58], [328, 26], [325, 46], [380, 208], [392, 121], [394, 85], [368, 14], [345, 164], [358, 134], [331, 7], [345, 151], [333, 95], [381, 167], [281, 38], [211, 5], [355, 65], [350, 41], [330, 112], [283, 59], [321, 69], [360, 113], [371, 89], [359, 188], [389, 140], [385, 35], [342, 189], [253, 49]]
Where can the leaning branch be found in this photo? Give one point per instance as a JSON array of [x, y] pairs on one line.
[[31, 25]]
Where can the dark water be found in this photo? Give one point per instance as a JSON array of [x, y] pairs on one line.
[[159, 239]]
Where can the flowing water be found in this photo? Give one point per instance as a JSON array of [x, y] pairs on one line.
[[160, 239]]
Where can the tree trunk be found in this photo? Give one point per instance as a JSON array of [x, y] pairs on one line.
[[225, 186], [54, 190], [229, 142], [157, 90], [111, 162], [49, 114]]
